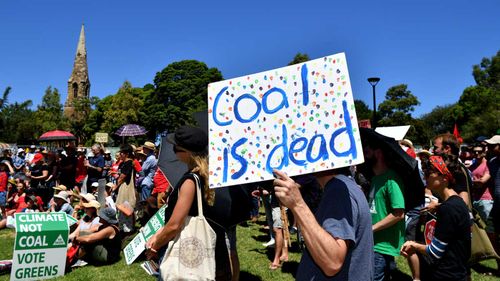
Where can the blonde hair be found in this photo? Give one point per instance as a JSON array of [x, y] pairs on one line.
[[199, 164]]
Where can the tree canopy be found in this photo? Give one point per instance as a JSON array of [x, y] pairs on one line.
[[180, 89], [397, 107]]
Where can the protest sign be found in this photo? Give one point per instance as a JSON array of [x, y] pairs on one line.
[[71, 220], [40, 246], [101, 137], [299, 119], [138, 244]]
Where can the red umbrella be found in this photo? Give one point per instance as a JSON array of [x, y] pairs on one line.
[[56, 135]]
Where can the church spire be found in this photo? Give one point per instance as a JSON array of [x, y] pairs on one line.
[[78, 83], [81, 43]]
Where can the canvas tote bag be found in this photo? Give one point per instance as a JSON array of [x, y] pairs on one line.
[[191, 255], [126, 192], [481, 248]]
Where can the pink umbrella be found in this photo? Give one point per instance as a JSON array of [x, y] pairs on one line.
[[56, 135]]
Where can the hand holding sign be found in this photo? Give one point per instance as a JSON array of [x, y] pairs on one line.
[[287, 190]]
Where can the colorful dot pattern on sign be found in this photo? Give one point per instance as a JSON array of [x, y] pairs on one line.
[[300, 119]]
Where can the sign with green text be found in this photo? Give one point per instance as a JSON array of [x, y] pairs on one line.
[[40, 246], [138, 244]]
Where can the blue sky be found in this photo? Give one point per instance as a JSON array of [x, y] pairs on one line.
[[429, 45]]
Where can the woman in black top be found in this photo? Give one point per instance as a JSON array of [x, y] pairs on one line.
[[125, 187], [190, 147], [446, 256]]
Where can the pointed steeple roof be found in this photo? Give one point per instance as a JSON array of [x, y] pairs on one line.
[[81, 43], [80, 68]]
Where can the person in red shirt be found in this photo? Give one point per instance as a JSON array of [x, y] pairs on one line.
[[5, 168], [81, 170]]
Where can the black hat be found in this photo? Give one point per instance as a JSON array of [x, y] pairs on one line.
[[190, 138]]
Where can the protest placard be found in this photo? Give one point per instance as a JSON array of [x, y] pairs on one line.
[[101, 137], [40, 246], [138, 244], [299, 119]]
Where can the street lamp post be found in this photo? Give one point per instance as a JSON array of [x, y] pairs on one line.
[[373, 81]]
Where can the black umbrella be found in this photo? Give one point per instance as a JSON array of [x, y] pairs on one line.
[[403, 164]]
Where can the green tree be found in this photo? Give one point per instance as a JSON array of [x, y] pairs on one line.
[[362, 110], [397, 107], [180, 90], [478, 109], [83, 107], [5, 97], [123, 108], [299, 58], [49, 114], [487, 73], [17, 124]]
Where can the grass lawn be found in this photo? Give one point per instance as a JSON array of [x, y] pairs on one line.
[[254, 260]]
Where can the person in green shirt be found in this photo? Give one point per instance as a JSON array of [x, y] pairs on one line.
[[387, 206]]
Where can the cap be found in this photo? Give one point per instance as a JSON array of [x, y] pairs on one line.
[[37, 158], [190, 138], [92, 204], [149, 145], [107, 151], [494, 140], [12, 181], [32, 146], [109, 215], [19, 150], [95, 184], [60, 187]]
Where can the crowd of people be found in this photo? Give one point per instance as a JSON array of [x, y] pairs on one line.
[[349, 218], [68, 179]]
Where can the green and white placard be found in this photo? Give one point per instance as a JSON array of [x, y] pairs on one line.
[[40, 246], [138, 244]]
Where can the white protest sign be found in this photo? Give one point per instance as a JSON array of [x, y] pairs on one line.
[[40, 246], [138, 244], [299, 119]]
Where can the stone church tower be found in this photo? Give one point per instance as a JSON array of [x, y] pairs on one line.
[[78, 83]]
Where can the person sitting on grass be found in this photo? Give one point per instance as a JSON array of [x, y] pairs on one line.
[[103, 246], [52, 202], [79, 210], [89, 223], [62, 203]]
